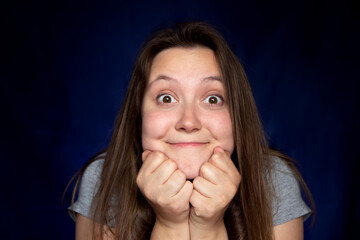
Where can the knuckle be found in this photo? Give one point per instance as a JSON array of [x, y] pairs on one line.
[[144, 155], [208, 210], [239, 178], [197, 181], [147, 192], [222, 199], [216, 157], [176, 207], [177, 178], [180, 175], [158, 154], [138, 180], [196, 211], [233, 190], [205, 166], [171, 164], [161, 201]]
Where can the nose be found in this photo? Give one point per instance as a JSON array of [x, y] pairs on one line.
[[188, 119]]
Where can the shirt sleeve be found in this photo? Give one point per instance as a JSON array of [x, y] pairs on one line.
[[88, 187], [287, 203]]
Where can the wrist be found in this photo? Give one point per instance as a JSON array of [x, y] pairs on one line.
[[207, 230], [170, 230]]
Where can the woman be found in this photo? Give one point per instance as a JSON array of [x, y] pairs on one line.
[[188, 158]]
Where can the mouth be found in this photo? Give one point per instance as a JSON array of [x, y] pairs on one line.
[[187, 144]]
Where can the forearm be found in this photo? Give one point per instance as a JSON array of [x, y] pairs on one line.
[[163, 231]]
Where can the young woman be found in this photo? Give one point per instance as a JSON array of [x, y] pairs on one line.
[[188, 158]]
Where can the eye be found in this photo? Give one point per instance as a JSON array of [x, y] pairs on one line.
[[166, 99], [214, 99]]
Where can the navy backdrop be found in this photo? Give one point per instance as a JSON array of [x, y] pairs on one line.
[[65, 68]]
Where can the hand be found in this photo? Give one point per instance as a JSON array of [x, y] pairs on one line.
[[213, 191], [166, 189]]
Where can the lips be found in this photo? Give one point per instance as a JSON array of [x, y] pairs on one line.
[[187, 144]]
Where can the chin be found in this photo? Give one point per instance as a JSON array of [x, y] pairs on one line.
[[190, 175], [190, 167], [190, 160]]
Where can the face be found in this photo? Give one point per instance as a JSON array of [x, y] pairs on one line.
[[185, 113]]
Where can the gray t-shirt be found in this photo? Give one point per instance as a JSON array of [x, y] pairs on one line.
[[287, 205]]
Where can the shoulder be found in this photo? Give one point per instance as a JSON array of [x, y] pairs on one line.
[[89, 184], [91, 177], [287, 202], [281, 173], [93, 171]]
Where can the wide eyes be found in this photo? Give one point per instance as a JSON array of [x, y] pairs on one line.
[[214, 99], [165, 99], [211, 100]]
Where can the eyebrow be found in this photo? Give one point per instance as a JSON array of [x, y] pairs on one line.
[[213, 78], [167, 78]]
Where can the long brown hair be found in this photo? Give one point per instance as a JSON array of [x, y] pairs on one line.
[[120, 203]]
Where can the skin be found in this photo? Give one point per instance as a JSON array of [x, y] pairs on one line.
[[187, 135], [290, 230], [178, 118]]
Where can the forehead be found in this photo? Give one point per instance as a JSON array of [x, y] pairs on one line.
[[182, 62]]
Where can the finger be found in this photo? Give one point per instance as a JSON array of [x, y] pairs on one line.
[[185, 192], [163, 172], [175, 182], [195, 212], [152, 161], [197, 199], [204, 187], [211, 173], [145, 154], [228, 153], [218, 177], [221, 160], [152, 184], [220, 149]]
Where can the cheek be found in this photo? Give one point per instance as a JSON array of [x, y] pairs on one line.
[[221, 128], [155, 125]]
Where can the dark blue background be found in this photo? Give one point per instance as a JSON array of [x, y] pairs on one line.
[[65, 68]]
